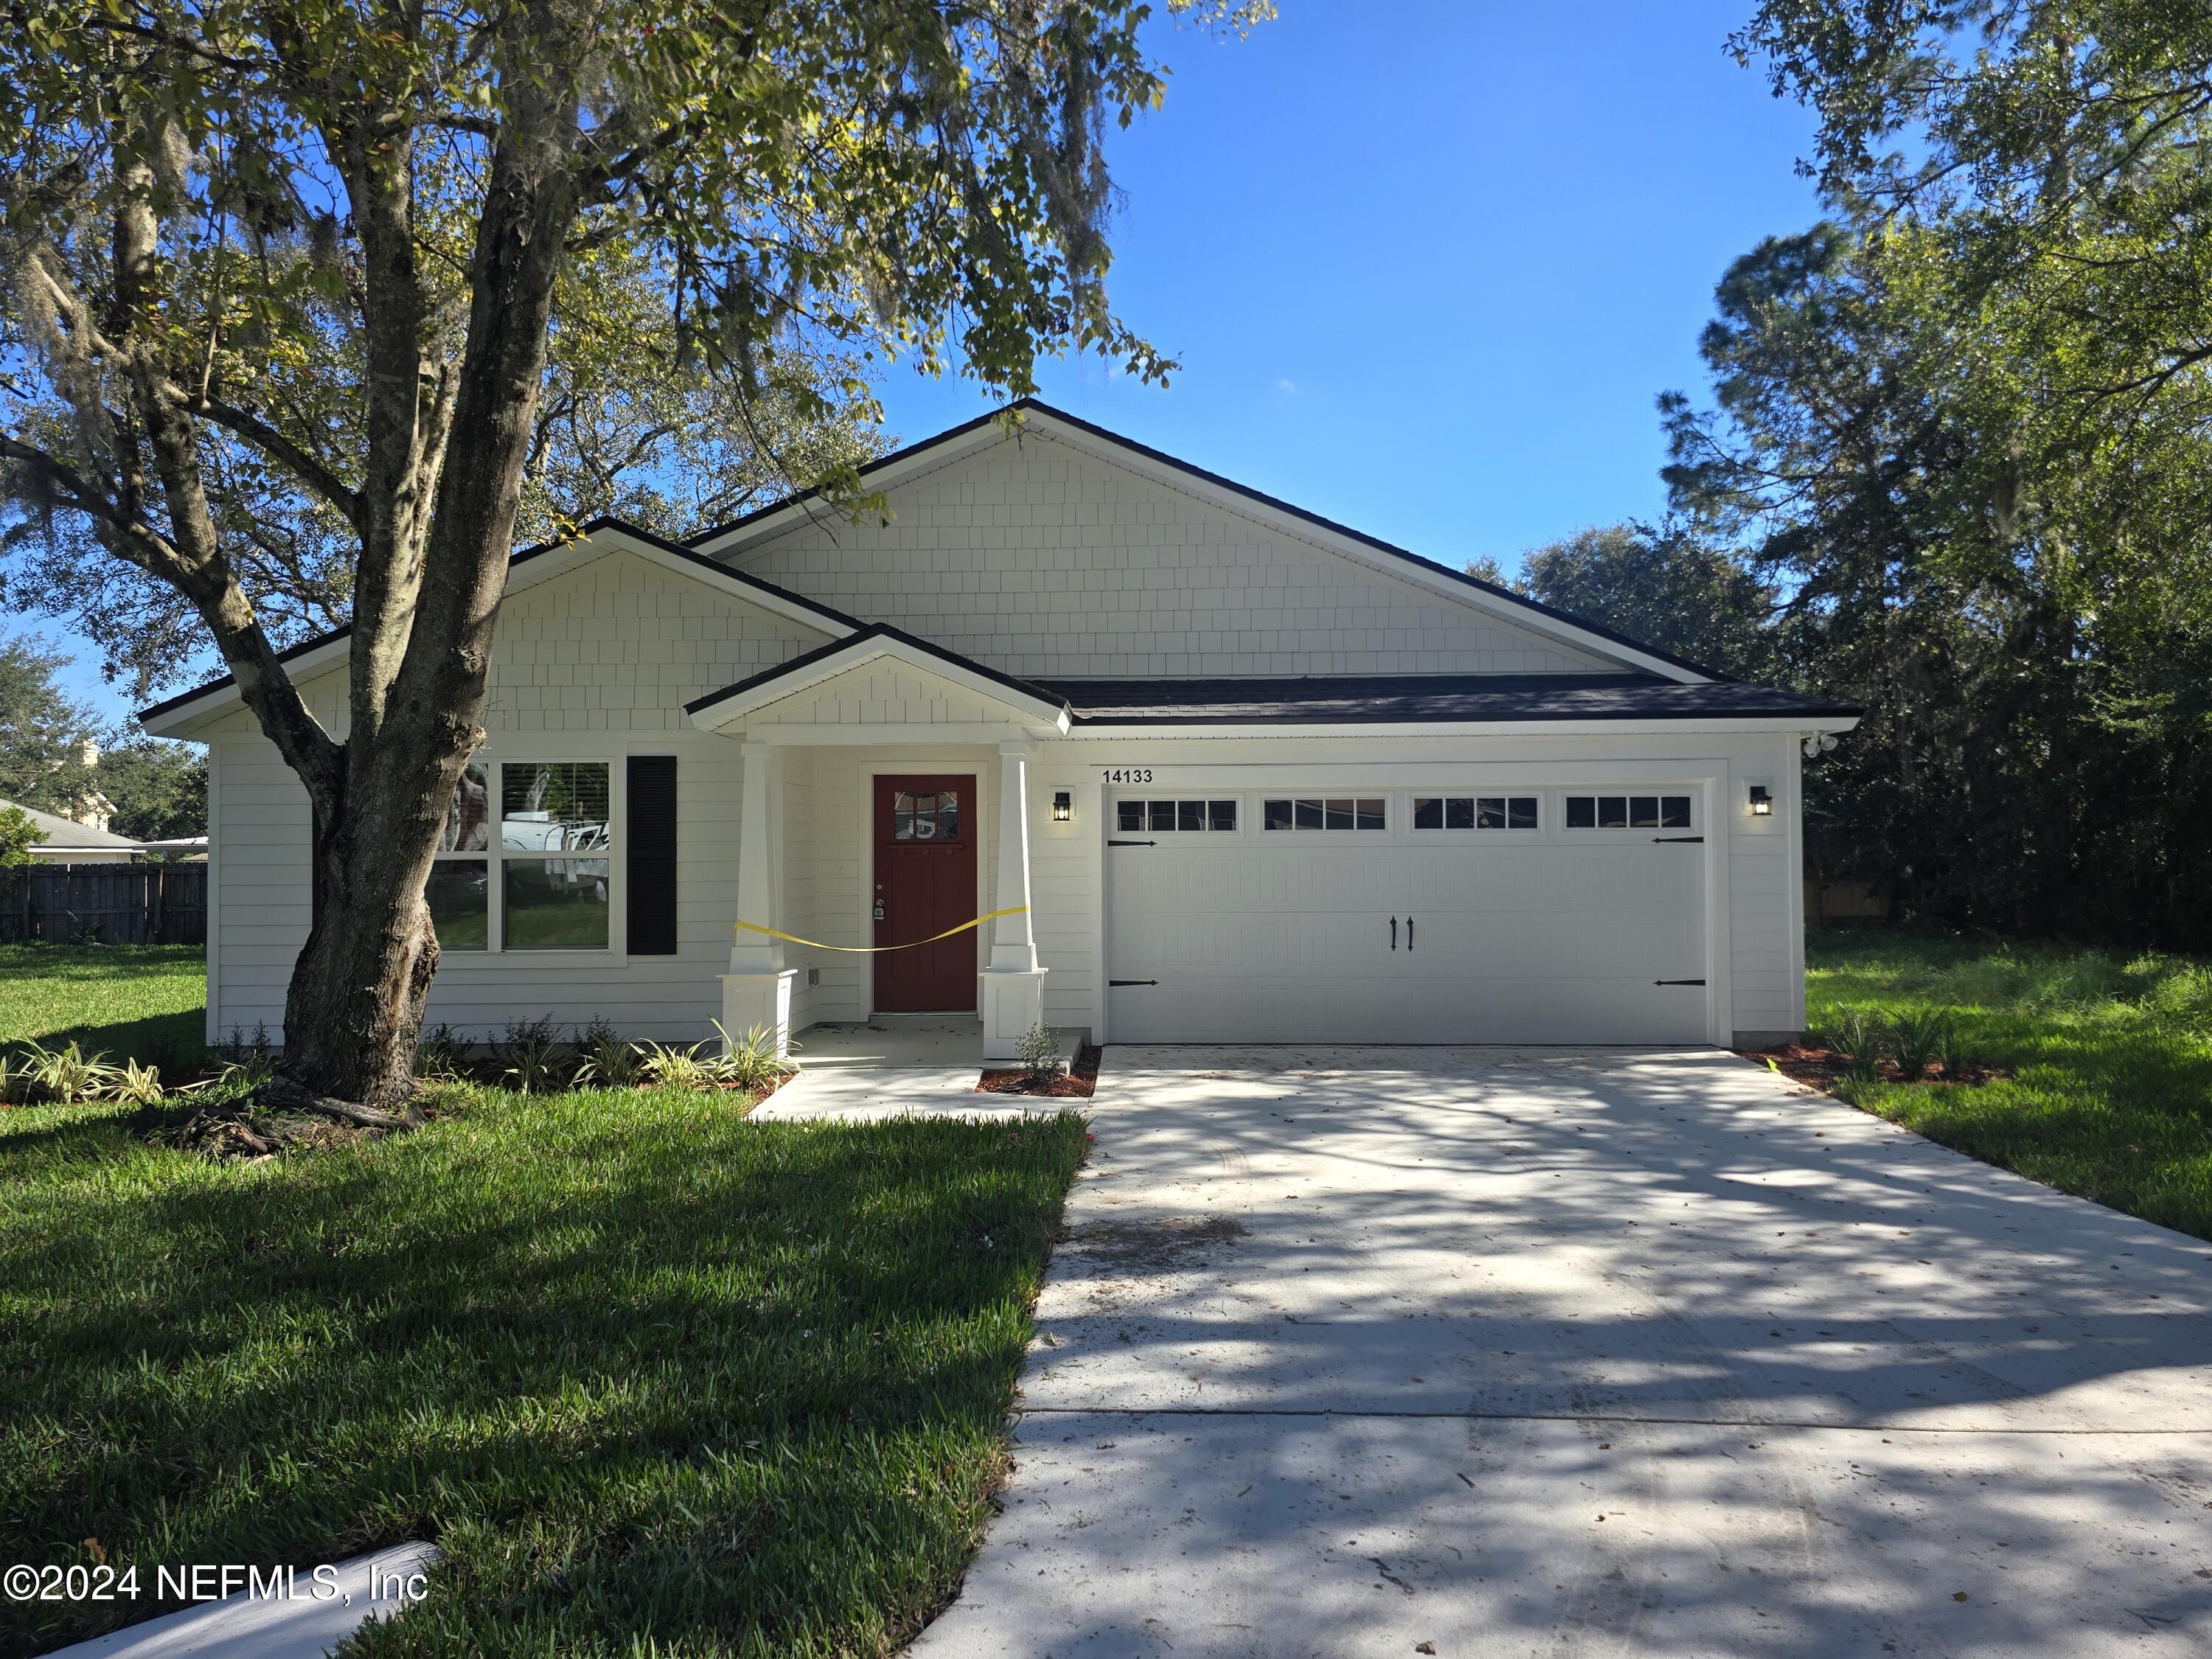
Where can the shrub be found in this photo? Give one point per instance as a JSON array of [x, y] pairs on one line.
[[535, 1056], [1917, 1037], [1039, 1052], [1856, 1040], [65, 1075], [609, 1061], [442, 1054], [671, 1067], [1951, 1052], [139, 1085], [750, 1061]]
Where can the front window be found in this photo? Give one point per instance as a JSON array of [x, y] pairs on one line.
[[551, 865]]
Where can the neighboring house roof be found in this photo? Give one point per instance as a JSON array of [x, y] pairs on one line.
[[876, 640], [57, 834], [600, 536], [725, 540], [1402, 699]]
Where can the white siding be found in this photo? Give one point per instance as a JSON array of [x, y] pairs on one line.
[[1039, 559], [597, 665]]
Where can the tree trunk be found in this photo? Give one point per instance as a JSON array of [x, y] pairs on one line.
[[353, 1012]]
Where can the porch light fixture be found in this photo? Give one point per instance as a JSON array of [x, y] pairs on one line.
[[1762, 801], [1063, 807]]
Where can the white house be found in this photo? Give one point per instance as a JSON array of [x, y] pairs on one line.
[[1211, 767]]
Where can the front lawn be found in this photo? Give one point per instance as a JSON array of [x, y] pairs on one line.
[[655, 1377], [144, 1002], [2111, 1061]]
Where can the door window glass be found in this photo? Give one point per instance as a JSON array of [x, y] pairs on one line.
[[926, 815]]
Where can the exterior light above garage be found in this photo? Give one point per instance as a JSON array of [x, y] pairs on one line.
[[1762, 801], [1063, 807]]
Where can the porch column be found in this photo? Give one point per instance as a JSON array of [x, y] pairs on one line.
[[1013, 985], [756, 991]]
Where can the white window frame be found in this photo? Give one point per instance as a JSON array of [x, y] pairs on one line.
[[495, 855]]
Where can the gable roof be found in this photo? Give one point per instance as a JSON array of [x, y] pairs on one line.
[[726, 540], [722, 707], [535, 564]]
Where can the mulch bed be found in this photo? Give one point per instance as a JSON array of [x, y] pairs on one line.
[[1078, 1083], [1824, 1068]]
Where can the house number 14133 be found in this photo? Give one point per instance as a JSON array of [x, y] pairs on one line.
[[1126, 775]]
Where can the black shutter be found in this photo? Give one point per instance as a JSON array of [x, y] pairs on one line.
[[651, 831]]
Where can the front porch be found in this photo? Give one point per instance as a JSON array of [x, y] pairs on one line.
[[884, 845]]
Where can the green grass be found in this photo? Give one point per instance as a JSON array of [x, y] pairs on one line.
[[654, 1376], [143, 1002], [2111, 1096]]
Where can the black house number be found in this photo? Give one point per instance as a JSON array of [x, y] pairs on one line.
[[1126, 775]]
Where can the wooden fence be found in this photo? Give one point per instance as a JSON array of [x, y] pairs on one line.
[[117, 903]]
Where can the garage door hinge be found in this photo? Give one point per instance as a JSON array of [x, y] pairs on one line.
[[1678, 981], [1133, 843], [1132, 981], [1661, 838]]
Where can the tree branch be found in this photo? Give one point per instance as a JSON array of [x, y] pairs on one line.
[[279, 448]]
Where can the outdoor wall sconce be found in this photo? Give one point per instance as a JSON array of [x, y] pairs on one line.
[[1762, 801], [1063, 807]]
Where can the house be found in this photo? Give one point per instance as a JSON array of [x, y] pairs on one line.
[[1209, 767], [65, 840]]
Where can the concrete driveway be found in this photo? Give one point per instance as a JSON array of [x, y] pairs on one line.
[[1350, 1352]]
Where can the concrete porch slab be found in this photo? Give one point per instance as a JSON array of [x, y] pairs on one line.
[[922, 1065]]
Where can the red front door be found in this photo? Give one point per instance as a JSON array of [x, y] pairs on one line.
[[925, 883]]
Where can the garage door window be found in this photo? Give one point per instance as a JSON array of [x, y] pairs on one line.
[[1333, 812], [1628, 811], [1474, 812], [1177, 814]]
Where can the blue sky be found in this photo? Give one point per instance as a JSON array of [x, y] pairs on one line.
[[1426, 265]]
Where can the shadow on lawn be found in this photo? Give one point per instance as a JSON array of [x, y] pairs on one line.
[[642, 1366]]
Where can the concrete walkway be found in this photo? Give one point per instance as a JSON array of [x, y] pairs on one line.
[[1576, 1353], [896, 1066]]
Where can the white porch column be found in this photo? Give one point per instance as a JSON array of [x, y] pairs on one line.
[[756, 991], [1013, 985]]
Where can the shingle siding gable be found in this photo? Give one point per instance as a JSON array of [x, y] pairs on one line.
[[1039, 559]]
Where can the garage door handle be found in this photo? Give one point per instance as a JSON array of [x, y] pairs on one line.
[[1409, 936], [1678, 981], [1393, 932]]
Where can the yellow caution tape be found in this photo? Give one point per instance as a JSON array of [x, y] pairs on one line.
[[876, 950]]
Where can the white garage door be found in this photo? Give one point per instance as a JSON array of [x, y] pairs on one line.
[[1550, 916]]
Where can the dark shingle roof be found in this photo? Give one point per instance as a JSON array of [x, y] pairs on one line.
[[1410, 698]]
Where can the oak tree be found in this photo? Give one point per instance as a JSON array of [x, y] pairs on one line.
[[317, 246]]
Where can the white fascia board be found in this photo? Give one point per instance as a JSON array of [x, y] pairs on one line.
[[1793, 724], [1035, 713]]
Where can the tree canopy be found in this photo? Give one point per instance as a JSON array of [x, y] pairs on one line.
[[395, 279], [1962, 429]]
